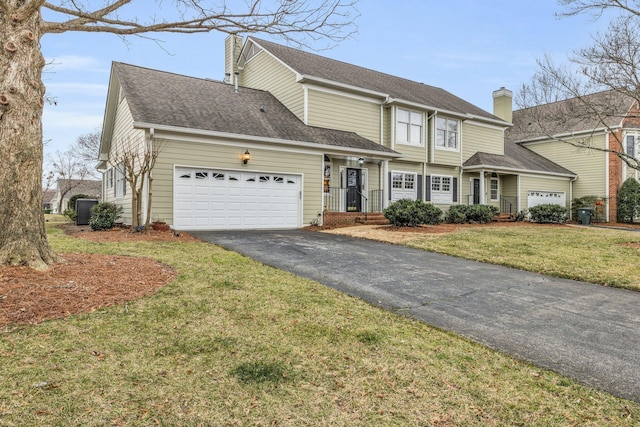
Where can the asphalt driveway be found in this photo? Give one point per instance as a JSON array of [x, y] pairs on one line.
[[587, 332]]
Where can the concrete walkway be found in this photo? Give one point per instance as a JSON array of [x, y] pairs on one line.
[[587, 332]]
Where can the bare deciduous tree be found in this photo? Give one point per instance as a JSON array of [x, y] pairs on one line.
[[596, 90], [23, 239], [71, 172], [86, 149], [135, 166]]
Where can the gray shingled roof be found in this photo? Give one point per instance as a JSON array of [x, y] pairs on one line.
[[569, 116], [396, 87], [517, 158], [162, 98]]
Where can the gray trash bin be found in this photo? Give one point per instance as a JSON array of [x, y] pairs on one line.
[[83, 209], [584, 215]]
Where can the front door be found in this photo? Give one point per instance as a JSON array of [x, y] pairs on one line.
[[476, 191], [354, 190]]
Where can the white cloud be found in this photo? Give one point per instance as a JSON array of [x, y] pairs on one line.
[[86, 89], [70, 120], [74, 63]]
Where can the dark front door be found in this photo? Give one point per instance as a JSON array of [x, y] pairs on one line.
[[354, 190], [476, 191]]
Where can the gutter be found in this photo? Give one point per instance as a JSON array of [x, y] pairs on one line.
[[250, 138], [493, 167], [388, 99]]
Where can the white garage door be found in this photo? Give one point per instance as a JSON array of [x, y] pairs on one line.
[[207, 199], [546, 197]]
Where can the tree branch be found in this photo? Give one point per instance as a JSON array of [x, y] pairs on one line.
[[329, 19]]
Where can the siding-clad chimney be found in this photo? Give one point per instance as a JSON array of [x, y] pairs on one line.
[[503, 104], [232, 48]]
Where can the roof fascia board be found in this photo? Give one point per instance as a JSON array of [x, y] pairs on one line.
[[109, 115], [252, 138], [501, 168], [461, 116], [542, 139], [265, 50], [306, 78], [325, 89]]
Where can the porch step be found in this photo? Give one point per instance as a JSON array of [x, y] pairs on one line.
[[374, 218], [504, 217]]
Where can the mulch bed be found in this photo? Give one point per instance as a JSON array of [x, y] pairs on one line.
[[83, 282]]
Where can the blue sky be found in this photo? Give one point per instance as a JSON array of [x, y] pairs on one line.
[[467, 47]]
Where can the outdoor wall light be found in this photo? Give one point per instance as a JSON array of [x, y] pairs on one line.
[[361, 161], [246, 157]]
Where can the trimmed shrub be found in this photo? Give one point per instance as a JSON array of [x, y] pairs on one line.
[[104, 216], [71, 214], [432, 214], [548, 214], [461, 214], [457, 214], [481, 214], [521, 216], [628, 201], [410, 213]]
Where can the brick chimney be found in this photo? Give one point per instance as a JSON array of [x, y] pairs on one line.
[[503, 104]]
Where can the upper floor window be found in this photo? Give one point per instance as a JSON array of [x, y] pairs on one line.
[[409, 126], [447, 133], [630, 145]]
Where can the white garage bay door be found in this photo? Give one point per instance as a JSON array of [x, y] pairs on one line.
[[207, 199], [546, 197]]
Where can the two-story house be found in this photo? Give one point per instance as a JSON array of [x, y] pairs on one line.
[[586, 136], [290, 137]]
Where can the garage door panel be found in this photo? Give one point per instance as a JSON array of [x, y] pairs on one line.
[[212, 199]]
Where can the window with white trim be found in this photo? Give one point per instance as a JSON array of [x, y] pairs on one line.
[[630, 145], [447, 133], [121, 182], [409, 125], [110, 178], [441, 189], [493, 189]]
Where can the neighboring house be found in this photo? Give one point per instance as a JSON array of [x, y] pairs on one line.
[[47, 196], [67, 188], [551, 130], [321, 136]]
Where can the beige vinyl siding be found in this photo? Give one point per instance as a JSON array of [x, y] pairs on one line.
[[478, 138], [412, 153], [446, 157], [211, 155], [264, 72], [344, 112], [538, 183], [124, 139], [509, 185], [386, 127], [590, 165]]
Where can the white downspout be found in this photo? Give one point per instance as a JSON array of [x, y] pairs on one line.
[[385, 185], [150, 175]]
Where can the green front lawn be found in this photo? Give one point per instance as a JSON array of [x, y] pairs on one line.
[[596, 255], [233, 342]]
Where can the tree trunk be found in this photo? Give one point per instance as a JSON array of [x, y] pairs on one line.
[[23, 239]]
